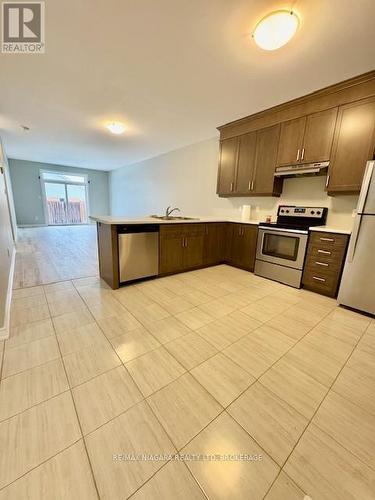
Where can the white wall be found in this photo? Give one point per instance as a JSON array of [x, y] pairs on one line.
[[7, 248], [187, 178]]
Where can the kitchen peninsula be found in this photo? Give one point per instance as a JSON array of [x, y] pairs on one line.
[[178, 245]]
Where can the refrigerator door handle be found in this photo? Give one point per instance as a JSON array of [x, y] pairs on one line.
[[354, 238], [365, 186]]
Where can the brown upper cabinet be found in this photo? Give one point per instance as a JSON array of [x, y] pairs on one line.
[[247, 164], [307, 139], [228, 166], [264, 182], [353, 146], [335, 124], [291, 139], [318, 138]]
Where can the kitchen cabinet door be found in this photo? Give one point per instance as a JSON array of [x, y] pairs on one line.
[[246, 163], [193, 255], [317, 142], [291, 140], [171, 250], [265, 183], [193, 235], [214, 242], [353, 146], [250, 234], [235, 245], [227, 166], [243, 246]]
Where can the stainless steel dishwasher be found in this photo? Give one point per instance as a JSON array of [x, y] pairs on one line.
[[138, 251]]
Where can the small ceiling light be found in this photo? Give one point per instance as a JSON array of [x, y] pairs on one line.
[[276, 29], [116, 127]]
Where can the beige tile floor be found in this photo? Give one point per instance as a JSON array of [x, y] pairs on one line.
[[211, 384]]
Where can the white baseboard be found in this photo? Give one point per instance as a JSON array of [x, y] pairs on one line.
[[31, 225], [4, 330]]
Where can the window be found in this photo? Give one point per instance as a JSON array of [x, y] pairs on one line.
[[65, 197]]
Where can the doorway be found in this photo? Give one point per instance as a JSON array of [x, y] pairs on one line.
[[65, 198]]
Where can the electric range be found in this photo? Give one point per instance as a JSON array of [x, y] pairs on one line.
[[282, 245]]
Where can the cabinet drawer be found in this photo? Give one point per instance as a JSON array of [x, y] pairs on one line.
[[321, 282], [322, 267], [328, 240], [333, 257]]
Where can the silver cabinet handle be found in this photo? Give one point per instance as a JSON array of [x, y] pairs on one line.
[[297, 155], [303, 153], [231, 186], [252, 185], [327, 181], [321, 264], [327, 239], [325, 252], [318, 279], [249, 186]]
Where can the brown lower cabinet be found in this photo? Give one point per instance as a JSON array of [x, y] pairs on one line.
[[324, 262], [190, 246], [242, 240], [181, 247], [214, 243]]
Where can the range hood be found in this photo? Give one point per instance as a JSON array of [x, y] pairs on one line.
[[297, 170]]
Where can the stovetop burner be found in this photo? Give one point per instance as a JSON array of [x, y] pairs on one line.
[[298, 218]]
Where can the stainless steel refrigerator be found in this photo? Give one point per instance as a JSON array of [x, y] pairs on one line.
[[357, 288]]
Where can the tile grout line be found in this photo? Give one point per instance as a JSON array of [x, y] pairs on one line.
[[177, 361], [161, 424], [76, 412], [40, 464], [32, 367], [33, 406], [148, 406], [315, 412]]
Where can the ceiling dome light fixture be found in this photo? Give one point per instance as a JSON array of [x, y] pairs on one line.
[[276, 29], [116, 127]]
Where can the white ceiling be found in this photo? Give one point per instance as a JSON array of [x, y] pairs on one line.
[[172, 70]]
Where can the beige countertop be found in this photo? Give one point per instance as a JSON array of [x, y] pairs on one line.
[[330, 229], [107, 219]]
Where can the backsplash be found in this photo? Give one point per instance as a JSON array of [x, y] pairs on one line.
[[308, 191]]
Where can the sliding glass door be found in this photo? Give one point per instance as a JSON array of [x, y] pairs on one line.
[[65, 198]]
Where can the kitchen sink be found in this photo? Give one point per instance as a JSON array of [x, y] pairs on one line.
[[172, 217]]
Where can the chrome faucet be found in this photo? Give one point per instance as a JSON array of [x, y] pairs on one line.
[[170, 211]]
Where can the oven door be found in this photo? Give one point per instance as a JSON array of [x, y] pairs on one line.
[[285, 247]]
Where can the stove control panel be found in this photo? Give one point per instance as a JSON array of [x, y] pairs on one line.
[[308, 212]]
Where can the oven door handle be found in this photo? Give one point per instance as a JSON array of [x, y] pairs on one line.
[[279, 230]]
